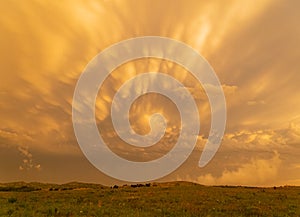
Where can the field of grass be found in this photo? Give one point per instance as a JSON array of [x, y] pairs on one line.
[[168, 199]]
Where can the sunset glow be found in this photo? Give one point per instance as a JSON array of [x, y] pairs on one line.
[[253, 47]]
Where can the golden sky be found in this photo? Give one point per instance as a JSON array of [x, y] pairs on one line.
[[253, 46]]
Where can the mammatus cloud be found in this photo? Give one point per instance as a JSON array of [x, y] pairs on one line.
[[252, 47]]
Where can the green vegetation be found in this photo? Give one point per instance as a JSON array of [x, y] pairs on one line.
[[168, 199]]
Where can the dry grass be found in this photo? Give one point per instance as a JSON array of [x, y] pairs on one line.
[[168, 199]]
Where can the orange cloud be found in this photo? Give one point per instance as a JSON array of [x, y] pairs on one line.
[[251, 45], [266, 171]]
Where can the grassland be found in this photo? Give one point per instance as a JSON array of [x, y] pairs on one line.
[[168, 199]]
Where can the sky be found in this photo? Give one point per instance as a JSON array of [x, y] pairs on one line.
[[253, 46]]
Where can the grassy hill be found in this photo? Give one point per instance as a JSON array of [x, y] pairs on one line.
[[156, 199]]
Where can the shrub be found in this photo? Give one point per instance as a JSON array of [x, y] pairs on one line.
[[12, 200]]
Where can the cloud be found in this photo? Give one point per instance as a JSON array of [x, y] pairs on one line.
[[264, 139], [253, 102], [46, 55], [294, 182], [46, 45], [266, 171], [28, 162], [272, 155]]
